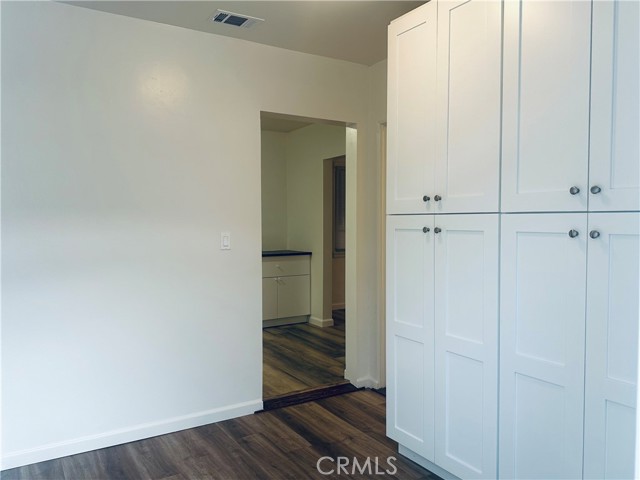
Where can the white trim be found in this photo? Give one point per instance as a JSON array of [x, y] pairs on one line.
[[367, 382], [321, 322], [382, 257], [423, 462], [125, 435]]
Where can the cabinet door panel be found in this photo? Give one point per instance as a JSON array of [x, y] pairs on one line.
[[542, 335], [466, 345], [411, 103], [615, 117], [294, 296], [269, 298], [545, 105], [410, 343], [468, 112], [612, 349]]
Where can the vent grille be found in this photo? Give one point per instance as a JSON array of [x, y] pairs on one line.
[[235, 19]]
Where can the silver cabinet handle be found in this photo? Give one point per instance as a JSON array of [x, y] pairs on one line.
[[594, 234], [437, 198], [574, 190], [426, 198], [426, 229], [437, 230], [595, 189], [573, 233]]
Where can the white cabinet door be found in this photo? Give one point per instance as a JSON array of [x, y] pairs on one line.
[[615, 143], [411, 106], [294, 296], [466, 344], [542, 342], [612, 349], [546, 74], [269, 298], [409, 337], [468, 109]]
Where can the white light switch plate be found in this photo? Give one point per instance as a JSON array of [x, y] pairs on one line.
[[225, 241]]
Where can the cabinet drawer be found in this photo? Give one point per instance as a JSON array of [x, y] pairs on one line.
[[284, 266]]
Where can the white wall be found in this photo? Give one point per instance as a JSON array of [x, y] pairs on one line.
[[307, 148], [274, 190], [363, 292], [131, 146]]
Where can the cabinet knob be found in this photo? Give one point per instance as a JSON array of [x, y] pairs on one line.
[[426, 198], [437, 229], [594, 234], [595, 189], [573, 233], [426, 229], [574, 190], [437, 198]]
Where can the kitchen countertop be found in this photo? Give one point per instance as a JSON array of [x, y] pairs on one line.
[[283, 253]]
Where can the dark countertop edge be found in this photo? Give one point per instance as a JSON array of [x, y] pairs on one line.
[[283, 253]]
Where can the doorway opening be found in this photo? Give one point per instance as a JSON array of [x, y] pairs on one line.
[[304, 168]]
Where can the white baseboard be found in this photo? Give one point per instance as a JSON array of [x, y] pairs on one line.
[[366, 382], [423, 462], [321, 322], [338, 306], [125, 435], [277, 322]]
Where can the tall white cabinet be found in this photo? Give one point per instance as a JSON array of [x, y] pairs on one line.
[[513, 244], [442, 258]]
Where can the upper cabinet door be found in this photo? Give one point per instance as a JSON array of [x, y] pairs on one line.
[[468, 111], [411, 106], [612, 345], [615, 145], [546, 105]]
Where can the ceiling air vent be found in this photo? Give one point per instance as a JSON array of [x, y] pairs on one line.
[[235, 19]]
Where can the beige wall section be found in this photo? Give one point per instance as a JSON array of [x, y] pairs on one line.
[[307, 148], [274, 191]]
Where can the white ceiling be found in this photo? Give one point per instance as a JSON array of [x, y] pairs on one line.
[[355, 31]]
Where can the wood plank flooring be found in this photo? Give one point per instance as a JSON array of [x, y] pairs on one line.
[[301, 357], [278, 444]]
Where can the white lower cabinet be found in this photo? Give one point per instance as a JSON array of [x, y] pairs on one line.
[[410, 333], [442, 320], [542, 334], [612, 350], [569, 312], [286, 289]]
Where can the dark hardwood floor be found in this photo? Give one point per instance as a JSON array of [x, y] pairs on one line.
[[302, 357], [278, 444]]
